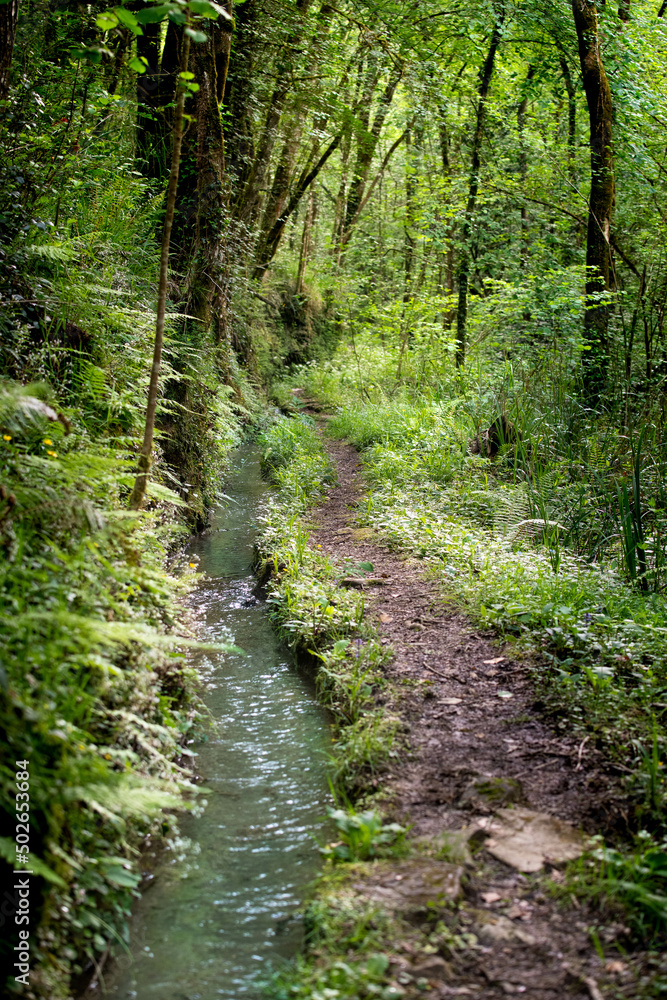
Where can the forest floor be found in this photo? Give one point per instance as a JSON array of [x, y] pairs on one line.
[[477, 741]]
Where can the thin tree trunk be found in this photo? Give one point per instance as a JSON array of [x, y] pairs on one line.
[[409, 237], [306, 242], [146, 453], [475, 164], [571, 120], [345, 237], [523, 164], [446, 283], [368, 142], [598, 258], [9, 15]]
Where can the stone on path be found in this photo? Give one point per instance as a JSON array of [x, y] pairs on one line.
[[526, 840], [410, 886]]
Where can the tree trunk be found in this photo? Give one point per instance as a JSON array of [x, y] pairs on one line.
[[148, 150], [306, 241], [523, 164], [146, 453], [598, 259], [571, 120], [9, 15], [408, 229], [475, 164]]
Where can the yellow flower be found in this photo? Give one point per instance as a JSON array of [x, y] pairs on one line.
[[6, 437], [107, 756], [192, 565], [48, 441], [53, 454]]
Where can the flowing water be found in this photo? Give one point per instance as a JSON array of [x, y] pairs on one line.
[[220, 909]]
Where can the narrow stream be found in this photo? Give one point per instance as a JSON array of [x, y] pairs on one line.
[[220, 910]]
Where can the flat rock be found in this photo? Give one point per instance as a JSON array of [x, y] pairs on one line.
[[526, 840], [433, 967], [493, 928], [411, 886]]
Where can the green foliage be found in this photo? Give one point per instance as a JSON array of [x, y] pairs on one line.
[[363, 835], [632, 882]]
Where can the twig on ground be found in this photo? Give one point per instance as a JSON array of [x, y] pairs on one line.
[[581, 750], [592, 988]]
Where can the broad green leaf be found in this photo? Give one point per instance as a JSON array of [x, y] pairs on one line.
[[196, 36], [151, 15], [138, 64], [127, 18], [207, 8], [106, 21]]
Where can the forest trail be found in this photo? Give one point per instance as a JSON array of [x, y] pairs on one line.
[[475, 742]]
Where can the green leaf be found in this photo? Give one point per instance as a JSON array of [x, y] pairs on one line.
[[128, 19], [138, 64], [35, 865], [377, 965], [122, 877], [186, 75], [106, 21], [206, 8], [196, 36], [151, 15]]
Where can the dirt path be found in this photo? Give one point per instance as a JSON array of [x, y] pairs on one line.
[[477, 743]]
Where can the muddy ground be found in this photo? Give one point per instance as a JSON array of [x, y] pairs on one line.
[[476, 741]]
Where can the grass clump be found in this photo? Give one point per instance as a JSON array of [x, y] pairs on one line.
[[631, 884]]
